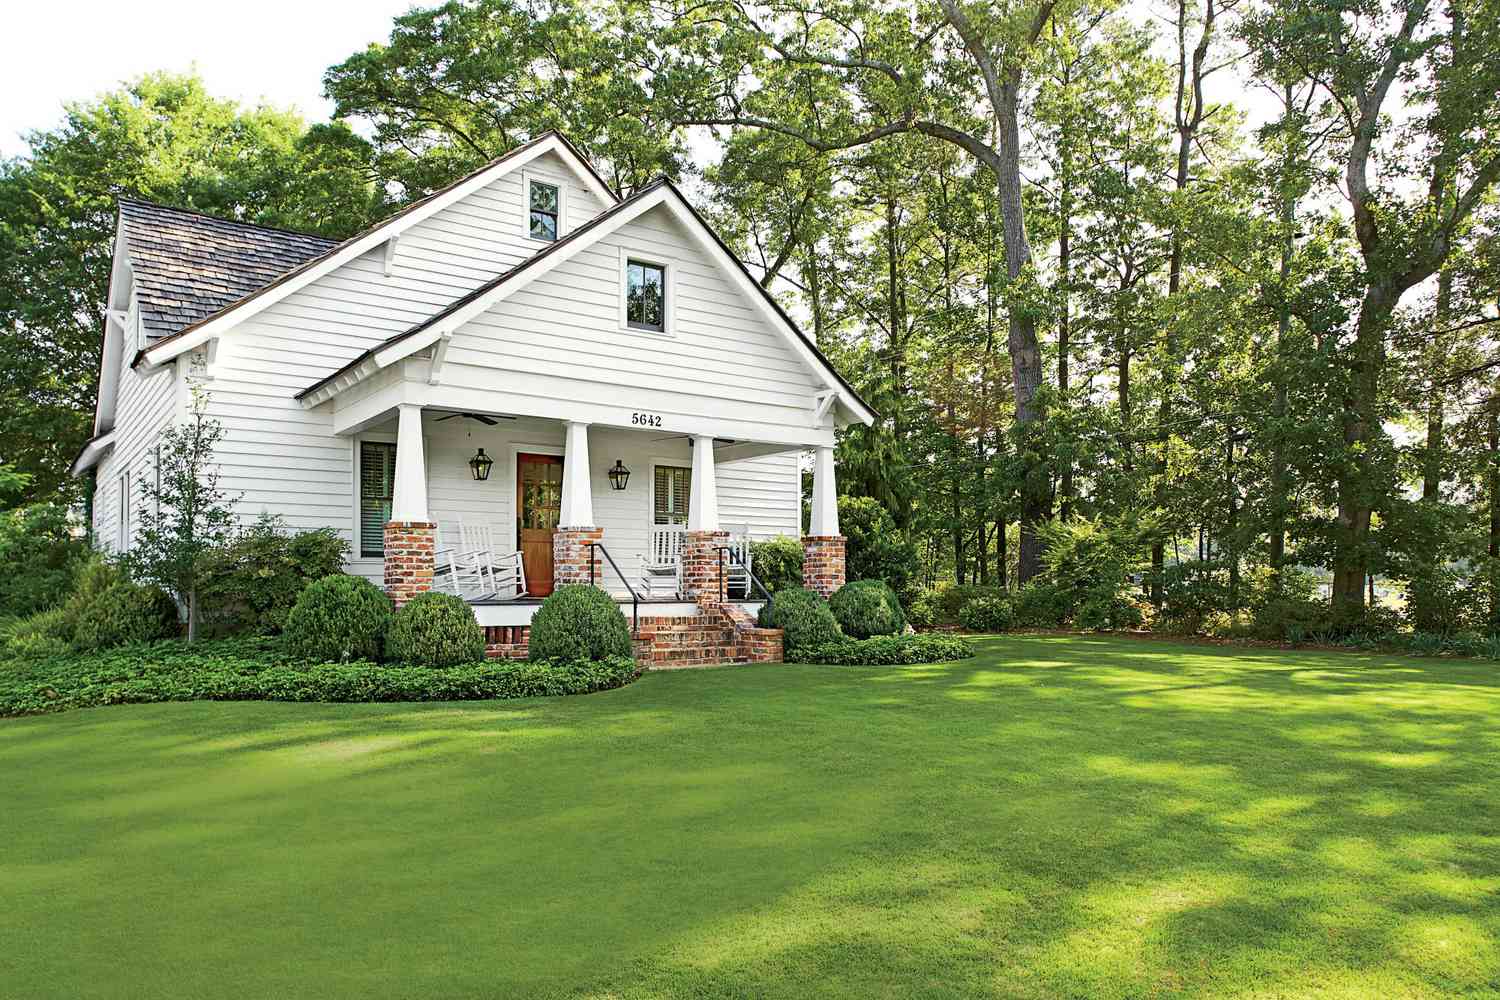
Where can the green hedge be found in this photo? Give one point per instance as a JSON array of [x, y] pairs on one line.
[[987, 614], [263, 670], [888, 650]]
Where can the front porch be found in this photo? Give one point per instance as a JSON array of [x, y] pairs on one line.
[[501, 509]]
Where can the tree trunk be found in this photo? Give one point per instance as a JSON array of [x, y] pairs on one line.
[[1358, 484], [1025, 351], [1492, 488], [1432, 455], [1188, 117], [1002, 557], [1280, 473]]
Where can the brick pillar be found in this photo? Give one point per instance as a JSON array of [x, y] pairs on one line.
[[408, 559], [700, 565], [823, 562], [570, 556]]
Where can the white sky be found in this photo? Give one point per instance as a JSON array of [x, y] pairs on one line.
[[53, 51]]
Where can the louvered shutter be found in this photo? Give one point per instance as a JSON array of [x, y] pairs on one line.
[[672, 483], [377, 479]]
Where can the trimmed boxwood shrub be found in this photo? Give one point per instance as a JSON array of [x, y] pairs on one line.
[[805, 618], [435, 630], [867, 607], [337, 619], [579, 622], [987, 614], [124, 613], [889, 650]]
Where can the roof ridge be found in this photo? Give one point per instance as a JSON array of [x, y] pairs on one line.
[[219, 218]]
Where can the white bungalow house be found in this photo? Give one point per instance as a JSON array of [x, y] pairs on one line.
[[483, 391]]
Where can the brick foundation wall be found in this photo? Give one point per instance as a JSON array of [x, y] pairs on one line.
[[409, 549], [507, 642], [823, 562], [700, 565], [570, 556]]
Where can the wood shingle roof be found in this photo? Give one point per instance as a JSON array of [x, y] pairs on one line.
[[188, 266]]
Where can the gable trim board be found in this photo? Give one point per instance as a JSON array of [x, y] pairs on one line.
[[659, 193], [93, 450], [300, 277]]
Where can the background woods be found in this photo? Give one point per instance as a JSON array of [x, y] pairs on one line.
[[1213, 282]]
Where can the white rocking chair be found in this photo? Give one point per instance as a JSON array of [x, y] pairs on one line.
[[661, 565], [473, 571]]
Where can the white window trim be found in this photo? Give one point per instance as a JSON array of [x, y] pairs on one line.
[[382, 438], [669, 281], [124, 526], [528, 177]]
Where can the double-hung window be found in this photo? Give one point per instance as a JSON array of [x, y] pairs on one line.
[[125, 511], [645, 296], [545, 202], [672, 490], [377, 482]]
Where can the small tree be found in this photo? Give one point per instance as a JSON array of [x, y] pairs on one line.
[[185, 513]]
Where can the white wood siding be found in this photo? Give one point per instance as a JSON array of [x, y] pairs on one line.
[[282, 459], [146, 405], [560, 338]]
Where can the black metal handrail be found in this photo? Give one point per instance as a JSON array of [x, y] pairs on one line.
[[635, 599], [734, 556]]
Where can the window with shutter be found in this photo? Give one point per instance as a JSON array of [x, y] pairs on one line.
[[672, 486], [377, 479]]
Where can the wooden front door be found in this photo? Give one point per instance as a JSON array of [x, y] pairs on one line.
[[538, 503]]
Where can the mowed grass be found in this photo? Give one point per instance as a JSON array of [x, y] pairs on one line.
[[1059, 817]]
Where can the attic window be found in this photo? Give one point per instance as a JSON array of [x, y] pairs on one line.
[[645, 296], [544, 202]]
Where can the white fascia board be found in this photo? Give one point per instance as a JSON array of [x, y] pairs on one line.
[[92, 453], [370, 240], [365, 369], [111, 354], [388, 356]]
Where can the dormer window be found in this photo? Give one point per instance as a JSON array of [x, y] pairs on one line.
[[544, 201]]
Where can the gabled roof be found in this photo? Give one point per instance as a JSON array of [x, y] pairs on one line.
[[299, 276], [659, 192], [187, 266]]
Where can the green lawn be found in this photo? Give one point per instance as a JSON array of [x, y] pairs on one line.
[[1058, 817]]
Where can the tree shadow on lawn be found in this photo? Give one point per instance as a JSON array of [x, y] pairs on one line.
[[1055, 817]]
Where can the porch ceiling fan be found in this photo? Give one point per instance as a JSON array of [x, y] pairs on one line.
[[488, 421]]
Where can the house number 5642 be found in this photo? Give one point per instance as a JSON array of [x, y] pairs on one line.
[[645, 419]]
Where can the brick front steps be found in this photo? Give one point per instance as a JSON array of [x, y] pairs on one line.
[[716, 635]]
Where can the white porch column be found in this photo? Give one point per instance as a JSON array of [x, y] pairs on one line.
[[703, 500], [577, 492], [825, 498], [409, 492]]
